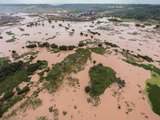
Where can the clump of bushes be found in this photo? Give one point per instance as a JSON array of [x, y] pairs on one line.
[[110, 44], [63, 47], [81, 44], [5, 106], [9, 69], [45, 44], [146, 58], [24, 90], [8, 94], [71, 47], [99, 50], [35, 66], [120, 82], [31, 46], [81, 34], [54, 45]]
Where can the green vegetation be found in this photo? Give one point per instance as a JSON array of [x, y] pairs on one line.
[[147, 67], [153, 90], [10, 33], [101, 78], [2, 60], [152, 85], [31, 46], [131, 57], [12, 81], [135, 58], [31, 102], [154, 80], [12, 74], [114, 20], [9, 69], [154, 97], [99, 50], [86, 42], [5, 106], [87, 89], [31, 68], [110, 44], [72, 63], [7, 95], [137, 12], [50, 38], [147, 58], [44, 44], [63, 47], [54, 45], [42, 118], [24, 90]]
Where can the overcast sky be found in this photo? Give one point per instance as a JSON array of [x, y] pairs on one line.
[[79, 1]]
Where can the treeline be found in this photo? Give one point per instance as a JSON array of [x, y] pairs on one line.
[[139, 12]]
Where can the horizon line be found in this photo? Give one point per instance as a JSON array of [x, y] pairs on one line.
[[78, 3]]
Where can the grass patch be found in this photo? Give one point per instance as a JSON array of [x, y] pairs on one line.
[[42, 118], [101, 78], [131, 57], [146, 67], [154, 97], [2, 60], [13, 81], [72, 63], [99, 50], [31, 102], [152, 90], [136, 58], [9, 104]]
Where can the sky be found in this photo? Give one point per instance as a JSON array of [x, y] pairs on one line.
[[79, 1]]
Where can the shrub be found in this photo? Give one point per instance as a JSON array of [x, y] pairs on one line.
[[146, 58], [13, 51], [71, 47], [31, 46], [24, 90], [81, 44], [99, 45], [10, 68], [94, 62], [46, 44], [7, 95], [35, 66], [87, 89], [111, 44], [63, 47], [81, 33], [54, 45]]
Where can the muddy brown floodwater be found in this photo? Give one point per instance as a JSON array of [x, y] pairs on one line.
[[128, 103]]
